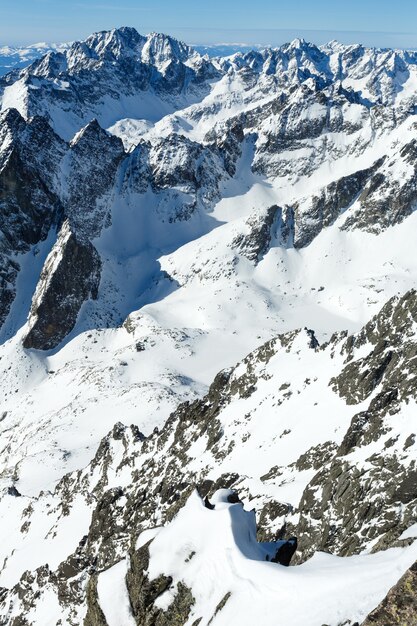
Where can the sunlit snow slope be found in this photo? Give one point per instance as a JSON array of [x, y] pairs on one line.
[[165, 217]]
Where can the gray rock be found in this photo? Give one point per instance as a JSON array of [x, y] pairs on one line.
[[275, 227], [321, 211], [30, 154], [70, 276]]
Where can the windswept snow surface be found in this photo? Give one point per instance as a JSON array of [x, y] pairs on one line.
[[215, 553], [113, 597]]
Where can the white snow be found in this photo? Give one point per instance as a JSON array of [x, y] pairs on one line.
[[190, 332], [113, 596], [410, 533], [214, 552]]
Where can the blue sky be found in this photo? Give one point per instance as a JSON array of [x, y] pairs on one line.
[[382, 23]]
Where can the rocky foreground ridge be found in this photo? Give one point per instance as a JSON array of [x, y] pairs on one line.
[[352, 490], [166, 217]]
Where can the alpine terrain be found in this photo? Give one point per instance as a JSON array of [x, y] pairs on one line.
[[208, 335]]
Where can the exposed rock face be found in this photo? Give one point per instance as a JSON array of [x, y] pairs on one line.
[[321, 211], [29, 205], [70, 276], [89, 179], [185, 174], [388, 199], [400, 605], [351, 511], [391, 340], [143, 593], [8, 278], [227, 140], [94, 615], [29, 162], [275, 227]]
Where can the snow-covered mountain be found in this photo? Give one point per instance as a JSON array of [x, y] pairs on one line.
[[18, 57], [208, 305]]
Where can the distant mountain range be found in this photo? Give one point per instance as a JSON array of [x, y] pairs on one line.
[[16, 58]]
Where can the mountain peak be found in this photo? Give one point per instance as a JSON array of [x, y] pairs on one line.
[[116, 42], [94, 133], [154, 48], [11, 117], [300, 47], [160, 48], [299, 42]]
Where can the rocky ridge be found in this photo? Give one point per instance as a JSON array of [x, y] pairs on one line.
[[137, 482]]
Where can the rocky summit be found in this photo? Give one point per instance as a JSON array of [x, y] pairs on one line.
[[208, 335]]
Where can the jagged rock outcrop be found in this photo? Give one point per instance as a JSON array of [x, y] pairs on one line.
[[321, 211], [29, 205], [94, 615], [275, 227], [388, 199], [70, 276], [190, 173], [90, 180], [390, 341], [143, 593], [351, 511]]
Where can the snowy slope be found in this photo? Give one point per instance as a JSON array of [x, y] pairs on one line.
[[218, 559], [274, 428], [164, 215]]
